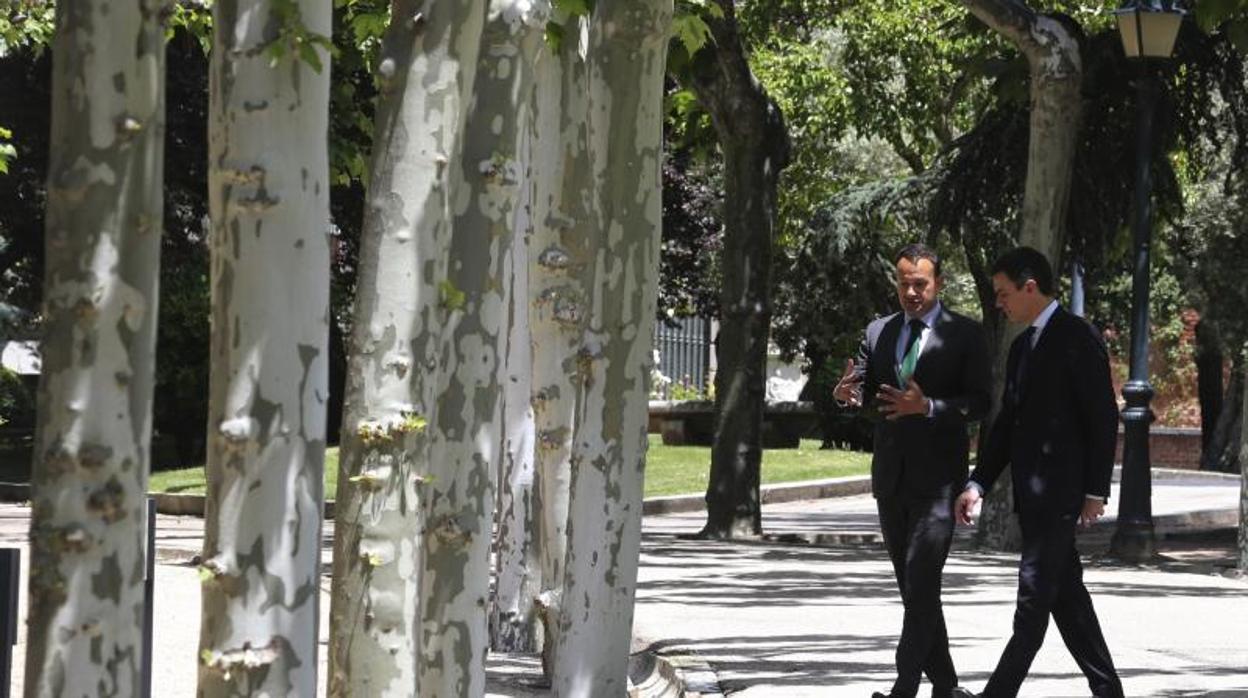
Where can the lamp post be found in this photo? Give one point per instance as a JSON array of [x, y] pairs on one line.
[[1148, 29]]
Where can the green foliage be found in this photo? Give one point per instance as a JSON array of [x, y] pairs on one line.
[[17, 405], [689, 255], [685, 391], [26, 24], [451, 297], [803, 79], [294, 38], [7, 151], [838, 273], [692, 32], [785, 21], [1211, 247], [916, 73], [1172, 370], [193, 19], [689, 25], [1227, 16], [359, 28], [575, 8]]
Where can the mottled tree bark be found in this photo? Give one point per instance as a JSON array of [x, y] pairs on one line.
[[755, 146], [466, 430], [268, 198], [1051, 46], [91, 456], [403, 301], [626, 53], [559, 268], [503, 131]]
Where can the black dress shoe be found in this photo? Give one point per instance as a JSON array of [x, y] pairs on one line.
[[962, 693]]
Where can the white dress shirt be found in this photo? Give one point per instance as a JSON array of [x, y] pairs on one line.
[[928, 320]]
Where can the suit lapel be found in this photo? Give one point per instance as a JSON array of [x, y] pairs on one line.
[[927, 355], [935, 337], [886, 349], [1045, 341]]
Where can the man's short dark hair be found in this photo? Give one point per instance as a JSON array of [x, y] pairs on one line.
[[916, 251], [1023, 263]]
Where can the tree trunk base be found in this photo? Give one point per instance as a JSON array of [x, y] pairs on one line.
[[737, 530]]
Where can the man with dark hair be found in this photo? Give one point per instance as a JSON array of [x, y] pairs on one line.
[[920, 454], [1056, 429]]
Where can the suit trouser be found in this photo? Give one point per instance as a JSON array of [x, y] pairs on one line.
[[1050, 581], [917, 533]]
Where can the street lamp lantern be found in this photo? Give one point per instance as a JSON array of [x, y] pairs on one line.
[[1149, 27]]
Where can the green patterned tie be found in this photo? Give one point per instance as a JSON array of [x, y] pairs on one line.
[[908, 362]]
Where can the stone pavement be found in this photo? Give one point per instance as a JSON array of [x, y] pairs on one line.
[[767, 619]]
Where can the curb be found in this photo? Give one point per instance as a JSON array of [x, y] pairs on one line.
[[193, 504], [768, 494], [672, 671]]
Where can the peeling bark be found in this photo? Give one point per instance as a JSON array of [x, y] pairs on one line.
[[503, 118], [268, 197], [1051, 46], [558, 268], [626, 53], [91, 459], [403, 301], [466, 429]]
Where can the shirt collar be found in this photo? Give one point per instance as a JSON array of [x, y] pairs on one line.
[[1043, 319], [929, 319]]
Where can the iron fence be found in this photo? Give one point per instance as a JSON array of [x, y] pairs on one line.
[[684, 358]]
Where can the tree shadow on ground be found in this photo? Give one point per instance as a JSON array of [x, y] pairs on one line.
[[728, 578]]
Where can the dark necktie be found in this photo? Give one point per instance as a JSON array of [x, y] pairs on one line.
[[1020, 368], [910, 357]]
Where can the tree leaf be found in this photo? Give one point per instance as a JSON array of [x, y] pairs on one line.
[[692, 31], [554, 36], [307, 52]]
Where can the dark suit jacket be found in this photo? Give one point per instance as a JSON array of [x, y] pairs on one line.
[[1060, 436], [918, 455]]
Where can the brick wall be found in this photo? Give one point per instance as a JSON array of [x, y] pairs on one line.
[[1169, 447]]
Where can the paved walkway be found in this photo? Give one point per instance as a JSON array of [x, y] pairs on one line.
[[792, 621], [769, 619]]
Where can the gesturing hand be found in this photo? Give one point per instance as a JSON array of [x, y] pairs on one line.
[[899, 403], [849, 389]]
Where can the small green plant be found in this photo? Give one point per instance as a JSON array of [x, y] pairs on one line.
[[295, 39], [686, 390], [452, 298]]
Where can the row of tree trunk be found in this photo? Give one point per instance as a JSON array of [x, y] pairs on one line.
[[498, 371]]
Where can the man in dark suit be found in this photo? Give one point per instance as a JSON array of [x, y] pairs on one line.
[[1056, 429], [927, 368]]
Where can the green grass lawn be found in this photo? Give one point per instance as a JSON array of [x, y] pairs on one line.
[[669, 469]]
